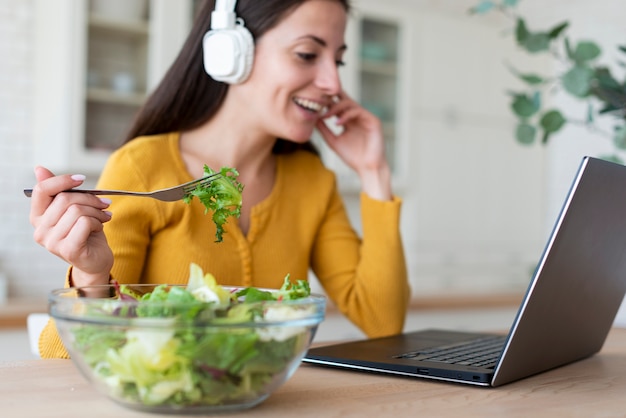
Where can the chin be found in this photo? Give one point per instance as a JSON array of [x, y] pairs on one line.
[[299, 136], [301, 140]]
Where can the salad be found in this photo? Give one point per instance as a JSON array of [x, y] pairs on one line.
[[221, 196], [194, 345]]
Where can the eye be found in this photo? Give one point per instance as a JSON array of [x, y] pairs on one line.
[[340, 63], [307, 56]]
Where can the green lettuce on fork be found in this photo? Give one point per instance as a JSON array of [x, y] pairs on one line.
[[179, 358], [221, 196]]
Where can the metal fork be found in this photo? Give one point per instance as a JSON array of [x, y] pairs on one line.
[[170, 194]]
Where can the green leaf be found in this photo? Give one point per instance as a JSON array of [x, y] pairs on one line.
[[552, 121], [556, 31], [509, 3], [529, 78], [521, 32], [531, 42], [525, 133], [622, 48], [289, 291], [483, 7], [608, 109], [590, 117], [537, 42], [605, 78], [532, 79], [619, 137], [537, 99], [222, 196], [614, 98], [252, 294], [568, 49], [586, 51], [524, 106], [223, 350], [577, 81]]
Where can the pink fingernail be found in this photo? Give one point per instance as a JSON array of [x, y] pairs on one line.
[[78, 177], [105, 200]]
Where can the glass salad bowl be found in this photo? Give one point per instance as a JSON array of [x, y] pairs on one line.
[[168, 349]]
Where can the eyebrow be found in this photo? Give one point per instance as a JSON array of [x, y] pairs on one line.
[[322, 42]]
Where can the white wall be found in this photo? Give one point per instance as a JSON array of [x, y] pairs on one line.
[[29, 268], [479, 211]]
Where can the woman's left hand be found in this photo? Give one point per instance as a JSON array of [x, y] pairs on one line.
[[360, 144]]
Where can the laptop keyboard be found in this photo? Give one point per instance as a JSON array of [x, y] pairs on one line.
[[480, 352]]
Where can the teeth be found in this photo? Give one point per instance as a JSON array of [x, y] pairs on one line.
[[309, 104]]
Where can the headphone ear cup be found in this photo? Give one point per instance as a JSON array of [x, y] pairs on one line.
[[228, 54]]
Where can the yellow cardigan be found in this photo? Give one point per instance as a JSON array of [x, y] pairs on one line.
[[301, 225]]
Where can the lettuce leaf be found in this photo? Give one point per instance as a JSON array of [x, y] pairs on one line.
[[222, 196]]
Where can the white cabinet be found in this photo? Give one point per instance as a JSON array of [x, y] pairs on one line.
[[116, 81], [378, 74], [94, 67]]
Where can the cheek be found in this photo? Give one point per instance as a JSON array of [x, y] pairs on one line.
[[267, 64], [277, 72]]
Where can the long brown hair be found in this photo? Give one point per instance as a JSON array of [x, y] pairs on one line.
[[187, 97]]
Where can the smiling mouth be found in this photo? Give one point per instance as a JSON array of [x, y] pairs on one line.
[[310, 105]]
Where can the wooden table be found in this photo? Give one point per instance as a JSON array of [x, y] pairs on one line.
[[595, 387]]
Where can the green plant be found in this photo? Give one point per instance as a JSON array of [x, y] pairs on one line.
[[583, 77]]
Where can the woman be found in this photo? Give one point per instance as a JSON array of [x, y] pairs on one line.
[[292, 218]]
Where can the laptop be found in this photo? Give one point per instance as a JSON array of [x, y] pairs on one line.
[[565, 316]]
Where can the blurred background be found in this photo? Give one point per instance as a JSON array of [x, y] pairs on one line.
[[478, 204]]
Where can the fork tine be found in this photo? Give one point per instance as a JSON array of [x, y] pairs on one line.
[[203, 180]]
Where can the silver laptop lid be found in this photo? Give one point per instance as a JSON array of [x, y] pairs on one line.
[[579, 283]]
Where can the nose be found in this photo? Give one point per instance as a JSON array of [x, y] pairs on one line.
[[328, 78]]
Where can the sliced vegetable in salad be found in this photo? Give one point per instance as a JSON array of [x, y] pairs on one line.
[[207, 345], [222, 196]]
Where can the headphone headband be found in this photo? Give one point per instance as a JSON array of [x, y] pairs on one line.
[[223, 17]]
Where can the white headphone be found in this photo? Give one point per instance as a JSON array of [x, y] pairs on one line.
[[228, 48]]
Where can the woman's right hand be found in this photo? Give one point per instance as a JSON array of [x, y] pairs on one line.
[[70, 226]]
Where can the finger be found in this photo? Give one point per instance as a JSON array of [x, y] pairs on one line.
[[348, 110], [54, 228], [52, 235], [39, 201], [64, 201], [59, 207], [327, 134], [349, 114], [48, 186], [323, 130], [59, 204], [42, 173], [338, 106], [75, 246], [75, 214], [51, 186], [342, 95]]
